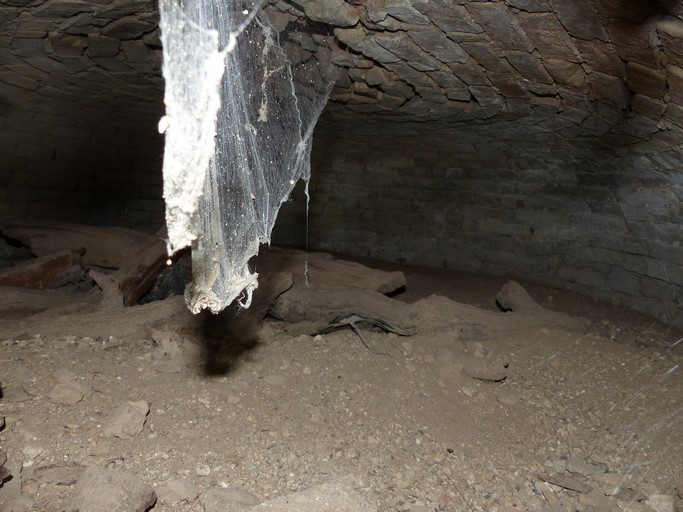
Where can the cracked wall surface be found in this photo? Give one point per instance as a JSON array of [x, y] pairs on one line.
[[539, 138]]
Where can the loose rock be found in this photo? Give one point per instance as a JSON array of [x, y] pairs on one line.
[[176, 491], [508, 396], [15, 394], [221, 499], [127, 420], [68, 393], [110, 490]]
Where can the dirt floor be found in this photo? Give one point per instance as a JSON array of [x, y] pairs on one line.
[[588, 417]]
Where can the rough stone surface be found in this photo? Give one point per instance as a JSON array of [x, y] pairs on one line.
[[588, 92], [127, 420]]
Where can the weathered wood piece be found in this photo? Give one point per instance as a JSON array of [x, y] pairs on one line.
[[137, 275], [324, 271], [50, 271], [332, 305], [109, 247]]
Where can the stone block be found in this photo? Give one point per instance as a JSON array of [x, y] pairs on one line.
[[602, 57], [580, 19], [487, 96], [334, 12], [500, 26], [403, 10], [102, 46], [404, 48], [583, 276], [568, 74], [411, 76], [438, 45], [357, 39], [647, 106], [645, 80], [484, 55], [471, 73], [111, 64], [47, 64], [82, 24], [28, 47], [31, 26], [640, 126], [449, 17], [128, 27], [632, 41], [66, 45], [609, 89], [17, 80], [665, 252], [548, 36], [670, 31], [129, 7], [508, 85], [660, 290], [63, 8], [135, 51], [530, 5], [529, 66]]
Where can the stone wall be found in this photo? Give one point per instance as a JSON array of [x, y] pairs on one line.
[[607, 227], [74, 173], [541, 138], [80, 97]]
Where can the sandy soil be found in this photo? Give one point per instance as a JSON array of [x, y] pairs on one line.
[[585, 420]]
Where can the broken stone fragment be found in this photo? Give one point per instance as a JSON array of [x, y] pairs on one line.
[[127, 420], [219, 499], [68, 393], [110, 490]]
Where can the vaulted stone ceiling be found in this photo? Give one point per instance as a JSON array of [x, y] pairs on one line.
[[608, 73]]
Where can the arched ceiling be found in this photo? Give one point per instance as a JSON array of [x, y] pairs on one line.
[[597, 73]]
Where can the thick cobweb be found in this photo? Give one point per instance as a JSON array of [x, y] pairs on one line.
[[240, 113]]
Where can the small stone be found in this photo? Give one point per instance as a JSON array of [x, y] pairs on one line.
[[661, 502], [127, 420], [633, 506], [468, 391], [275, 380], [203, 470], [63, 375], [508, 396], [232, 399], [68, 393], [32, 451], [18, 504], [15, 394], [176, 491], [110, 489], [609, 483], [220, 499]]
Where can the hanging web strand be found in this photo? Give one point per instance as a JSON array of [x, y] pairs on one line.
[[242, 102], [308, 205]]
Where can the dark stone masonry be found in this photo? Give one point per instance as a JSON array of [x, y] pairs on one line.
[[536, 138]]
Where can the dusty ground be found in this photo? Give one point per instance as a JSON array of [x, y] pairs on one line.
[[589, 420]]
